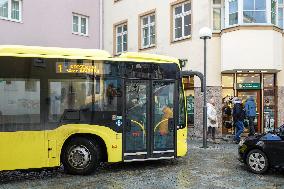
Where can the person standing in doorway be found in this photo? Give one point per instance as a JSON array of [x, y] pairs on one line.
[[212, 123], [238, 118], [250, 108]]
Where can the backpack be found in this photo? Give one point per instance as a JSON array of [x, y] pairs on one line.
[[227, 111], [239, 112]]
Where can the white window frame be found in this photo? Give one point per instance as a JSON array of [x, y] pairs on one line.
[[182, 15], [79, 24], [241, 10], [280, 6], [221, 7], [148, 25], [122, 34], [9, 18]]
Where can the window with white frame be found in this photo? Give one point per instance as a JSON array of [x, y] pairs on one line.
[[80, 24], [121, 38], [280, 13], [182, 20], [11, 10], [233, 12], [217, 15], [254, 11], [148, 31]]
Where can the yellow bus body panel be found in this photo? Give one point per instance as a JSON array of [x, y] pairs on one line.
[[22, 150], [38, 149], [182, 134], [182, 142], [112, 139]]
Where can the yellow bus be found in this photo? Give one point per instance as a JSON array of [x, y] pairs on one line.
[[82, 107]]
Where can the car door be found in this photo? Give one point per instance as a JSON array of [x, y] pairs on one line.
[[275, 152]]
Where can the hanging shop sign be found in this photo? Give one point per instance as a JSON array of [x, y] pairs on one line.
[[190, 104], [248, 86]]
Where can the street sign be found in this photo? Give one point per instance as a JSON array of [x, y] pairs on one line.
[[248, 86]]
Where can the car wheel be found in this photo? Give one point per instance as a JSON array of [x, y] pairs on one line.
[[257, 161], [81, 156]]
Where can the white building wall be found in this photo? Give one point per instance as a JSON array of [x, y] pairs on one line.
[[191, 49], [252, 50]]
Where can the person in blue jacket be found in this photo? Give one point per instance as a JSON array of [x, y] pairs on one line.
[[250, 108]]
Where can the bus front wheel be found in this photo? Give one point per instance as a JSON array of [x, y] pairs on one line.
[[81, 156]]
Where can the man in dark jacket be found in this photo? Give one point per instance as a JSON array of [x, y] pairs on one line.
[[238, 117], [250, 108]]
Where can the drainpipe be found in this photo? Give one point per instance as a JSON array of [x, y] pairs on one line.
[[101, 24]]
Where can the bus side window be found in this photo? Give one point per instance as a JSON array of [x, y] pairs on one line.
[[20, 104]]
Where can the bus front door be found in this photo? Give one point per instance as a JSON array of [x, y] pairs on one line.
[[149, 126]]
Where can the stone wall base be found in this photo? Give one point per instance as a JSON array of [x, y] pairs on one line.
[[216, 94], [280, 105]]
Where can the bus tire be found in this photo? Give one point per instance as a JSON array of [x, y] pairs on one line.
[[81, 156]]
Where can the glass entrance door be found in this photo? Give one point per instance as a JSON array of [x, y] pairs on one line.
[[149, 128], [163, 116], [255, 94], [135, 129]]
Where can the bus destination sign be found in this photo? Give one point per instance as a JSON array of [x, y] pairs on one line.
[[63, 67]]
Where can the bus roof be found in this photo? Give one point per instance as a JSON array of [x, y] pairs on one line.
[[76, 53], [146, 57], [52, 52]]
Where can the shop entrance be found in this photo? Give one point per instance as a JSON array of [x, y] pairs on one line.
[[255, 94]]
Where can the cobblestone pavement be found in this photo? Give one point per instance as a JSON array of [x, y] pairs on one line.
[[215, 167]]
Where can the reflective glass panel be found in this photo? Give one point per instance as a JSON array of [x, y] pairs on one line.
[[260, 4], [280, 17], [15, 14], [216, 19], [19, 104], [248, 4], [248, 78], [233, 6], [254, 17], [4, 8], [178, 9], [163, 115], [269, 109], [228, 80], [268, 80], [84, 25], [136, 115], [178, 28], [75, 24], [233, 18], [187, 7], [216, 1], [187, 28]]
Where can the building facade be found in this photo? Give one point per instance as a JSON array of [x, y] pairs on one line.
[[65, 23], [245, 54]]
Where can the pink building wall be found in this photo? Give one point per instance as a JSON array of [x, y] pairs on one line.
[[49, 23]]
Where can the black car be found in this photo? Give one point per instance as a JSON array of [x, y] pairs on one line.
[[263, 151]]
